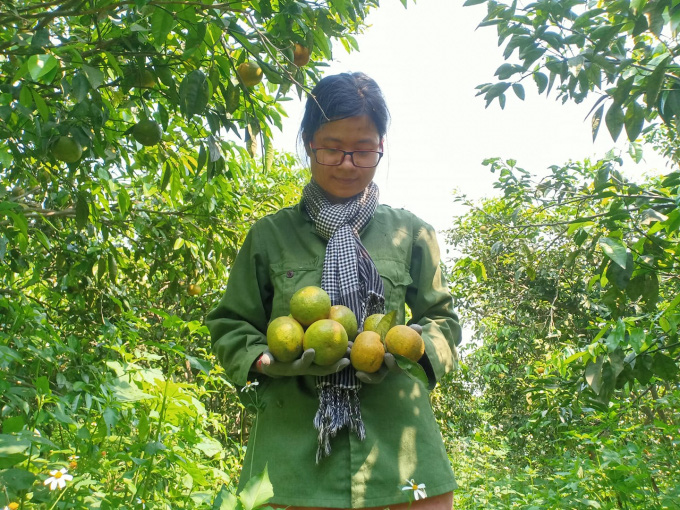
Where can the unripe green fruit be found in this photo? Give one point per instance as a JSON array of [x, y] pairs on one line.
[[67, 149], [147, 132]]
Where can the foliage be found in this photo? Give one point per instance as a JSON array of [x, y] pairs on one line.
[[126, 186], [571, 286], [93, 70], [105, 364], [625, 52]]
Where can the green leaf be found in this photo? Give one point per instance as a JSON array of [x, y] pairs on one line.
[[596, 121], [17, 479], [40, 104], [473, 2], [11, 444], [257, 491], [664, 366], [126, 392], [194, 93], [593, 374], [411, 368], [619, 276], [615, 250], [616, 337], [162, 23], [123, 201], [225, 500], [40, 65], [519, 90], [386, 323], [614, 119], [82, 211], [94, 76], [574, 357], [634, 120], [655, 81], [541, 81]]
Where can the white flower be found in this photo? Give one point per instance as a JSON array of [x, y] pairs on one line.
[[12, 506], [140, 501], [418, 489], [58, 479], [250, 385]]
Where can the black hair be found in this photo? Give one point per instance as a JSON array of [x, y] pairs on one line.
[[340, 96]]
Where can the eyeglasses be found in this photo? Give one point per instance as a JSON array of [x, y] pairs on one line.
[[335, 157]]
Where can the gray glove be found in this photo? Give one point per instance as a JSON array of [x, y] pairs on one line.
[[303, 366], [389, 365]]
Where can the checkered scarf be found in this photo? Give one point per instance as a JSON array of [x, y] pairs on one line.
[[350, 278]]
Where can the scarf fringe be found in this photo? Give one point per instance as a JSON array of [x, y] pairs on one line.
[[338, 407]]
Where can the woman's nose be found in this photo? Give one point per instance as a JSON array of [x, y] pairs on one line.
[[347, 160]]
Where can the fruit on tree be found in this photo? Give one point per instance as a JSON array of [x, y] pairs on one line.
[[194, 289], [367, 352], [66, 149], [147, 132], [145, 79], [328, 339], [284, 339], [301, 55], [250, 73], [310, 304], [405, 341]]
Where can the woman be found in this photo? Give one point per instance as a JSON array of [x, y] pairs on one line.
[[331, 437]]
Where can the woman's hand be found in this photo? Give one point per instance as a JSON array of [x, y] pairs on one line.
[[303, 366], [389, 365]]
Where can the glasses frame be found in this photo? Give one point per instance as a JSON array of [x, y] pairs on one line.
[[345, 153]]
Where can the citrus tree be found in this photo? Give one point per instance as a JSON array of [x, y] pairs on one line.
[[570, 285], [624, 53], [138, 153]]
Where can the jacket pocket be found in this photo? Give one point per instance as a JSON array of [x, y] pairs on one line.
[[396, 278], [289, 276]]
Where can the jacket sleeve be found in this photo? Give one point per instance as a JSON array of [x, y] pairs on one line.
[[432, 306], [238, 324]]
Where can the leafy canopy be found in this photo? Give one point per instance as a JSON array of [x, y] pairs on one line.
[[624, 52]]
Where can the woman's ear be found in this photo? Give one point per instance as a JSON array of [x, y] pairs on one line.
[[306, 141]]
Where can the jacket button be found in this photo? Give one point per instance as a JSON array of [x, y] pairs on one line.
[[290, 274]]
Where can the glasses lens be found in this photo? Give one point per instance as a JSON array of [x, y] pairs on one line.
[[366, 159], [329, 156], [334, 157]]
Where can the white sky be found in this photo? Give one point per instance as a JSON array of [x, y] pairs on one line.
[[428, 59]]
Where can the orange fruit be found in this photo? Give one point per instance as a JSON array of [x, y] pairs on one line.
[[284, 339], [346, 317], [144, 79], [301, 55], [404, 341], [540, 370], [372, 321], [67, 149], [250, 73], [367, 352], [194, 289], [328, 339], [147, 132], [310, 304]]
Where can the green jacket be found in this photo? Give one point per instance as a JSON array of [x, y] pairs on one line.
[[283, 253]]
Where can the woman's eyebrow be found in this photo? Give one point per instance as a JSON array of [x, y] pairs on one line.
[[332, 139]]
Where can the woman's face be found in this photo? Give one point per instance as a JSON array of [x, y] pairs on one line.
[[351, 134]]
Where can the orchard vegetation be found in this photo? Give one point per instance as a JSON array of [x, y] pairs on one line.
[[138, 154]]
